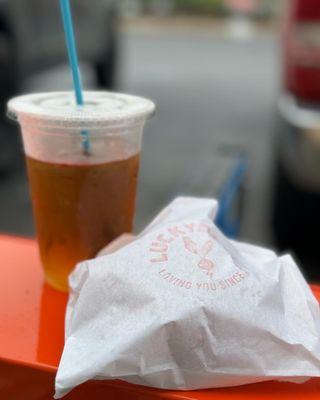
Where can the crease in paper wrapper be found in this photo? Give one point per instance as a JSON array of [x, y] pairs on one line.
[[182, 307]]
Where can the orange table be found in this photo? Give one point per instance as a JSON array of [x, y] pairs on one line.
[[31, 340]]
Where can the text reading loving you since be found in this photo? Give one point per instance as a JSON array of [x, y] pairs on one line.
[[201, 255]]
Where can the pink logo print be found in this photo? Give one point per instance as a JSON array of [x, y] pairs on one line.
[[204, 263]]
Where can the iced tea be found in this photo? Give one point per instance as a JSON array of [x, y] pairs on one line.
[[79, 209]]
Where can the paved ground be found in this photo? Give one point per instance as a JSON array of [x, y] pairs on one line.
[[212, 92]]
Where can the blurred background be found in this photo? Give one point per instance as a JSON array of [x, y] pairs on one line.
[[237, 87]]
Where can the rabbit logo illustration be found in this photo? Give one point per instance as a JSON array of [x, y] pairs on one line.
[[205, 264], [200, 271]]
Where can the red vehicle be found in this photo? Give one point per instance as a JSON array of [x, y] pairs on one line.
[[301, 49], [296, 206]]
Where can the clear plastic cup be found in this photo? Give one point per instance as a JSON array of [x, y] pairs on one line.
[[83, 198]]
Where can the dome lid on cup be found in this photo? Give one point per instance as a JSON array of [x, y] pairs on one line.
[[101, 109]]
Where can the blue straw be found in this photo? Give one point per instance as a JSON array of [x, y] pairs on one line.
[[74, 64]]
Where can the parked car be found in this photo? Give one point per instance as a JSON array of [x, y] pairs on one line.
[[301, 49], [296, 205], [32, 40]]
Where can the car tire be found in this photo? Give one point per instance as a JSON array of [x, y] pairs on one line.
[[106, 67], [11, 150], [8, 80], [295, 221]]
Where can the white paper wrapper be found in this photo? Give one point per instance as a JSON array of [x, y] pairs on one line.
[[182, 307]]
